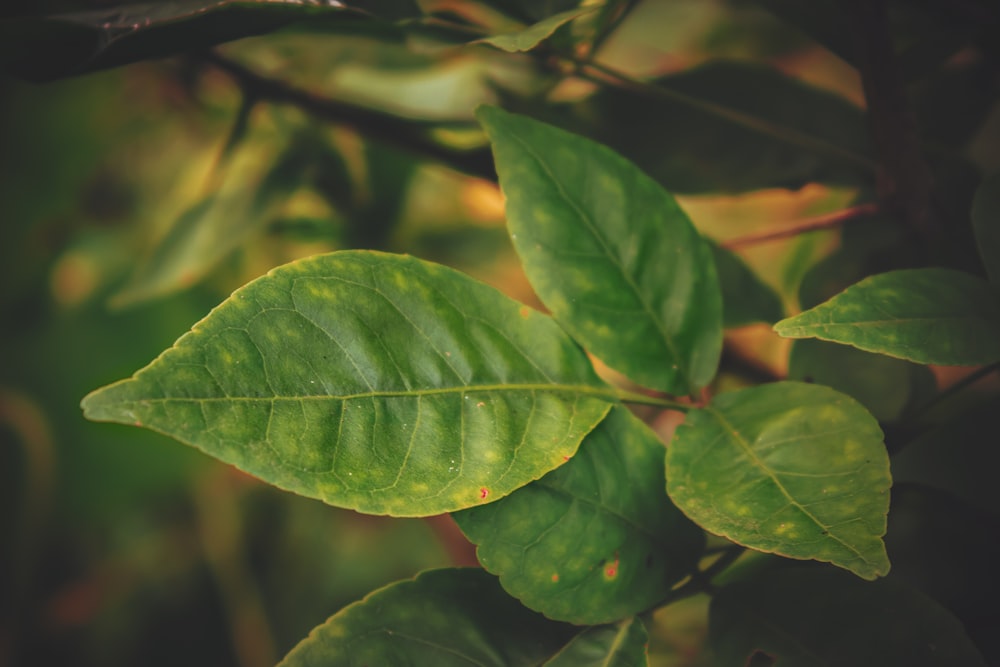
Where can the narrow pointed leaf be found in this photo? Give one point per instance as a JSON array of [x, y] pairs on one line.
[[48, 47], [930, 316], [444, 618], [620, 645], [746, 299], [533, 35], [376, 382], [986, 224], [596, 540], [808, 617], [610, 253], [788, 468]]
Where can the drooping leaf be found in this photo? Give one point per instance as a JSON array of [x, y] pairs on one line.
[[445, 618], [595, 540], [532, 11], [788, 468], [746, 299], [610, 253], [49, 47], [376, 382], [986, 224], [806, 617], [930, 316], [533, 35], [620, 645], [788, 132], [880, 383]]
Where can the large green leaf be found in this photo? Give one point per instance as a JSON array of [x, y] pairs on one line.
[[533, 35], [444, 618], [986, 223], [788, 468], [746, 299], [610, 253], [376, 382], [930, 316], [595, 540], [725, 126], [620, 645], [807, 617], [48, 47]]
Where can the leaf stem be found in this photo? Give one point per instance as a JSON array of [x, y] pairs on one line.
[[701, 580], [656, 401], [825, 221], [965, 382]]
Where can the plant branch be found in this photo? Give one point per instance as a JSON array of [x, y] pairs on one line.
[[601, 74], [905, 181], [825, 221], [410, 136], [656, 401]]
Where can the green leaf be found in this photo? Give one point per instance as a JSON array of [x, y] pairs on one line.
[[620, 645], [746, 299], [986, 224], [610, 253], [532, 36], [930, 316], [444, 618], [595, 540], [49, 47], [788, 468], [882, 384], [725, 126], [806, 617], [376, 382]]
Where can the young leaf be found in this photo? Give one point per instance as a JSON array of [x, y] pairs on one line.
[[532, 36], [376, 382], [930, 316], [788, 468], [620, 645], [986, 224], [746, 299], [595, 540], [805, 617], [610, 253], [445, 618]]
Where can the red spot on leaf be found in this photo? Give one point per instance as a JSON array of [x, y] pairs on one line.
[[525, 312], [611, 571], [138, 423], [555, 578], [565, 458], [483, 492]]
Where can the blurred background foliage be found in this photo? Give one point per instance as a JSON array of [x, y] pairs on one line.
[[134, 199]]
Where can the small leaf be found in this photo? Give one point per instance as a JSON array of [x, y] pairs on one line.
[[806, 617], [610, 253], [746, 299], [444, 618], [532, 36], [596, 540], [788, 468], [376, 382], [49, 47], [930, 316], [620, 645], [986, 224], [882, 384]]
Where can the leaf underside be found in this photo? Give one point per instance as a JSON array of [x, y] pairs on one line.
[[788, 468], [376, 382]]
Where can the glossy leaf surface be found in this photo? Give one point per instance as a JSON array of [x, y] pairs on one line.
[[610, 253], [986, 224], [446, 618], [930, 316], [788, 468], [376, 382], [746, 299], [807, 617], [49, 47], [533, 35], [595, 540], [620, 645]]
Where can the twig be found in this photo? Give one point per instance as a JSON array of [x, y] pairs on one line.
[[410, 136], [825, 221]]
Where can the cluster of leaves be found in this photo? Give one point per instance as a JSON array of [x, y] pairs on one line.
[[392, 385]]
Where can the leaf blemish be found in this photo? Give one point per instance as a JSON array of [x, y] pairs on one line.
[[483, 493]]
